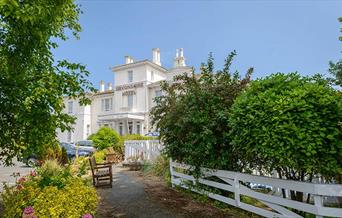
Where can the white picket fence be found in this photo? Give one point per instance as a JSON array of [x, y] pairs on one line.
[[276, 205], [142, 149]]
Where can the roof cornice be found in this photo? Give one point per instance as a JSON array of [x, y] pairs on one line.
[[136, 64]]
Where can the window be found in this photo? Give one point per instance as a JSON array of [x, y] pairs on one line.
[[138, 128], [107, 104], [130, 76], [69, 136], [70, 107], [158, 93], [130, 101], [120, 129], [130, 127], [152, 76], [88, 129]]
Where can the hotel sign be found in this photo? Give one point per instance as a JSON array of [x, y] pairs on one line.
[[129, 86], [126, 93]]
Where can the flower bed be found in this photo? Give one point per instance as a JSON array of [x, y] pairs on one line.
[[51, 191]]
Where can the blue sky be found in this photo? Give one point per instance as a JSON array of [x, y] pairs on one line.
[[271, 36]]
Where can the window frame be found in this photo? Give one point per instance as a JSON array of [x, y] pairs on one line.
[[130, 76], [70, 107]]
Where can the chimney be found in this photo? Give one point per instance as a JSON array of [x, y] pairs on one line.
[[156, 56], [110, 87], [102, 86], [128, 59], [179, 60], [181, 52]]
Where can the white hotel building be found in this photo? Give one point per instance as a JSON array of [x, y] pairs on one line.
[[125, 106]]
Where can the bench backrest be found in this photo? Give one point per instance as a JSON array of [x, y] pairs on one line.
[[92, 163]]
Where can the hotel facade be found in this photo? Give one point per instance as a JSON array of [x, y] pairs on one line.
[[124, 106]]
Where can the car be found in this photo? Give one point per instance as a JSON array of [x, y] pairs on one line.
[[33, 160], [85, 146], [153, 134], [70, 150], [73, 149]]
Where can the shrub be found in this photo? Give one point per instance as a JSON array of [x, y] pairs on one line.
[[45, 194], [64, 157], [52, 174], [161, 167], [192, 116], [100, 156], [106, 137], [291, 124], [74, 200]]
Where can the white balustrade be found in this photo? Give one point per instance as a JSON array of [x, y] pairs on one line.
[[142, 149]]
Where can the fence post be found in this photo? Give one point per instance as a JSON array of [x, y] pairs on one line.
[[126, 151], [318, 200], [171, 173], [237, 191]]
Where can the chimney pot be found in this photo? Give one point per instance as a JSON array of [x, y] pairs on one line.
[[110, 87], [128, 59], [156, 56], [102, 86]]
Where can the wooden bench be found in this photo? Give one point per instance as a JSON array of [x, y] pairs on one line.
[[102, 173]]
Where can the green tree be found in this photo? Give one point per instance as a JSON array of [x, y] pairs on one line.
[[106, 137], [32, 82], [291, 124], [192, 115], [336, 68]]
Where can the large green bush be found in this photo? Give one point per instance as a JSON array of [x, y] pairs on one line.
[[52, 192], [106, 137], [291, 124], [192, 116]]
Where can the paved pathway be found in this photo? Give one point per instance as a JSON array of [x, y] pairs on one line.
[[128, 198], [7, 172]]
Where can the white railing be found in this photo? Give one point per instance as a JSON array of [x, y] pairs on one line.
[[142, 149], [275, 205]]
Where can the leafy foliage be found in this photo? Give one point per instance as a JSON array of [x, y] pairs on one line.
[[192, 115], [51, 192], [100, 156], [32, 82], [53, 174], [291, 124], [336, 68], [106, 137]]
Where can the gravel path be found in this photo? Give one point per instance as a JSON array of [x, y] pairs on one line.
[[7, 172], [135, 194], [128, 198]]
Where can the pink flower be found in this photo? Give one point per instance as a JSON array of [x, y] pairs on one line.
[[19, 187], [33, 173], [21, 180], [87, 216], [28, 213], [28, 210]]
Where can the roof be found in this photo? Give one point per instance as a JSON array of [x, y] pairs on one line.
[[138, 63]]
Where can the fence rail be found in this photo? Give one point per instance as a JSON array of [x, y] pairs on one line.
[[275, 205], [142, 149]]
